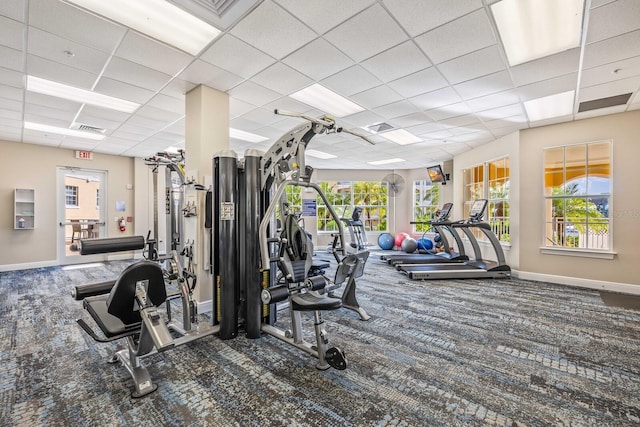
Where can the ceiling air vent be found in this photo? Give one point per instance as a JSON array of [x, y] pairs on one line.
[[379, 127], [596, 104], [87, 128]]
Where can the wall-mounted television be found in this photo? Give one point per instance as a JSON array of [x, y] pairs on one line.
[[436, 174]]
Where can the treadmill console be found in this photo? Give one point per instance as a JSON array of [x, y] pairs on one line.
[[477, 210], [444, 213]]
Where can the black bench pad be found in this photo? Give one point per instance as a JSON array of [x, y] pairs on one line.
[[109, 324], [310, 302]]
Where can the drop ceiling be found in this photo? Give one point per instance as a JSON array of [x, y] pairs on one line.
[[433, 67]]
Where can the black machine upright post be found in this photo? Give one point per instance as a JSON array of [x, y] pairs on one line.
[[224, 242], [250, 256]]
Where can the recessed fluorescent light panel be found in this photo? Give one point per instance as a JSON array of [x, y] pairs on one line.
[[319, 154], [401, 136], [246, 136], [532, 29], [83, 96], [557, 105], [63, 131], [325, 100], [158, 19], [386, 162]]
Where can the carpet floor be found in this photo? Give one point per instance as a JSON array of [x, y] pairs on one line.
[[435, 353]]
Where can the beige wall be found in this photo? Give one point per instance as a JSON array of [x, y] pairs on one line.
[[624, 132], [34, 166]]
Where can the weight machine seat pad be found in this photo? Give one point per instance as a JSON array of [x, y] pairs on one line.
[[109, 325], [121, 301], [310, 302], [320, 265]]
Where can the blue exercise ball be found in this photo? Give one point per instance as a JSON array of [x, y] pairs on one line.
[[409, 245], [386, 241], [425, 244]]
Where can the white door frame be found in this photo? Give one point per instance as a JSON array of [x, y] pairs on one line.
[[61, 218]]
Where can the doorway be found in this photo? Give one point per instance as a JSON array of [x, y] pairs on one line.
[[81, 206]]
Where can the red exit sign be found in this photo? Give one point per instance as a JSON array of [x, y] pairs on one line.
[[85, 155]]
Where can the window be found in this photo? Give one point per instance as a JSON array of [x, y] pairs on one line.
[[97, 198], [426, 201], [490, 180], [71, 195], [577, 191], [343, 195]]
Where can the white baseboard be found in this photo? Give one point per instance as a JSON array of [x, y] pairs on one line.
[[28, 265], [625, 288], [205, 306]]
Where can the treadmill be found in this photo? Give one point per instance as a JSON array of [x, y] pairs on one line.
[[478, 268], [440, 224]]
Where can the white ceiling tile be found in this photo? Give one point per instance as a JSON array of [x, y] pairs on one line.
[[63, 51], [283, 79], [396, 109], [176, 127], [418, 83], [10, 104], [60, 73], [200, 72], [366, 34], [427, 128], [464, 35], [13, 9], [168, 103], [449, 111], [499, 99], [352, 80], [152, 54], [436, 98], [177, 88], [519, 120], [77, 144], [9, 114], [38, 137], [611, 50], [318, 60], [314, 14], [618, 87], [88, 29], [12, 33], [44, 111], [479, 63], [262, 116], [134, 133], [410, 120], [397, 62], [548, 87], [9, 133], [11, 59], [244, 124], [501, 112], [49, 120], [123, 90], [10, 123], [418, 16], [372, 98], [111, 115], [625, 14], [272, 30], [545, 68], [51, 102], [496, 82], [611, 72], [136, 74], [254, 94], [236, 56], [11, 92], [364, 118], [11, 78], [238, 108], [163, 117]]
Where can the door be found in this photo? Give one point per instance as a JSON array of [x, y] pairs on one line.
[[82, 202]]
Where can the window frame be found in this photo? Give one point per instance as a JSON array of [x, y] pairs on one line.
[[421, 188], [67, 196], [471, 188], [591, 252]]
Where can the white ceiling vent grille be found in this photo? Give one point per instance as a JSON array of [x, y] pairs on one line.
[[220, 13], [87, 128], [379, 127]]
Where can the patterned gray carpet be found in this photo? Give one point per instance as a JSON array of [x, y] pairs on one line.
[[447, 353]]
